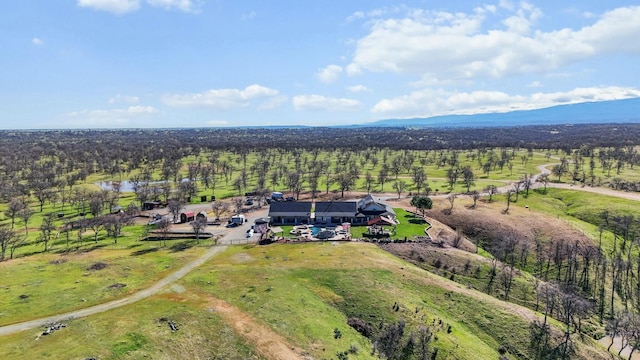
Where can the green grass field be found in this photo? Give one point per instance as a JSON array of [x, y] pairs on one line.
[[49, 284]]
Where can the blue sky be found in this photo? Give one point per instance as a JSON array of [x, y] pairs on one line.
[[199, 63]]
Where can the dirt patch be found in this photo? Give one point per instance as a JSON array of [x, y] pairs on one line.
[[241, 258], [488, 224], [117, 286], [97, 266], [270, 344], [58, 261]]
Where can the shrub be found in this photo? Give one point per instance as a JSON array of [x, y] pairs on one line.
[[361, 326]]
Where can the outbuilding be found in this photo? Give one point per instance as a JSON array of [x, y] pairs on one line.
[[187, 216]]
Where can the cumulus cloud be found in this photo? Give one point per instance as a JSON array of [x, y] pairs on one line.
[[329, 73], [319, 102], [436, 44], [37, 41], [535, 84], [358, 89], [126, 99], [113, 6], [433, 102], [126, 6], [222, 99], [108, 118], [182, 5], [273, 102]]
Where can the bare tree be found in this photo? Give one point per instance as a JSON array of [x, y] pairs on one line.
[[237, 204], [368, 181], [25, 215], [452, 199], [383, 175], [175, 207], [475, 195], [164, 225], [468, 177], [198, 226], [419, 178], [506, 279], [7, 237], [544, 179], [491, 190], [46, 228], [14, 243], [115, 223], [96, 224], [399, 187], [509, 198], [219, 207], [96, 204], [15, 206], [452, 177], [424, 336]]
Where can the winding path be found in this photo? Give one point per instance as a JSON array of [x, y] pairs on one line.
[[233, 234]]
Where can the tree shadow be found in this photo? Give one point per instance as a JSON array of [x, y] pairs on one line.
[[417, 221], [144, 251], [181, 246]]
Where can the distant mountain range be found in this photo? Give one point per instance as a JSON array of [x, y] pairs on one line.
[[614, 111]]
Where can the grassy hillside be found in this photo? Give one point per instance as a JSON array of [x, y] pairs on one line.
[[302, 295]]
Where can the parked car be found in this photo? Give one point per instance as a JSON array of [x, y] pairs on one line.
[[290, 198]]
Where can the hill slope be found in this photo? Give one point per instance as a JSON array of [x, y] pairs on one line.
[[615, 111]]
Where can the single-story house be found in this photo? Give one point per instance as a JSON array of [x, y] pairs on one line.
[[331, 212], [290, 212], [371, 209], [336, 212]]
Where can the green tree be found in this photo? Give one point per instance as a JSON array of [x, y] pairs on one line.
[[422, 203]]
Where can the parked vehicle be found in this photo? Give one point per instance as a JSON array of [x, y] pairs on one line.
[[238, 219]]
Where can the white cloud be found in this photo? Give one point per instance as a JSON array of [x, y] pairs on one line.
[[467, 46], [114, 6], [430, 102], [535, 84], [273, 102], [319, 102], [249, 15], [329, 74], [358, 89], [37, 41], [217, 123], [182, 5], [126, 99], [353, 69], [126, 6], [221, 98], [108, 118]]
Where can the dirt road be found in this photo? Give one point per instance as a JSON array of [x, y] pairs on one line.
[[230, 236]]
